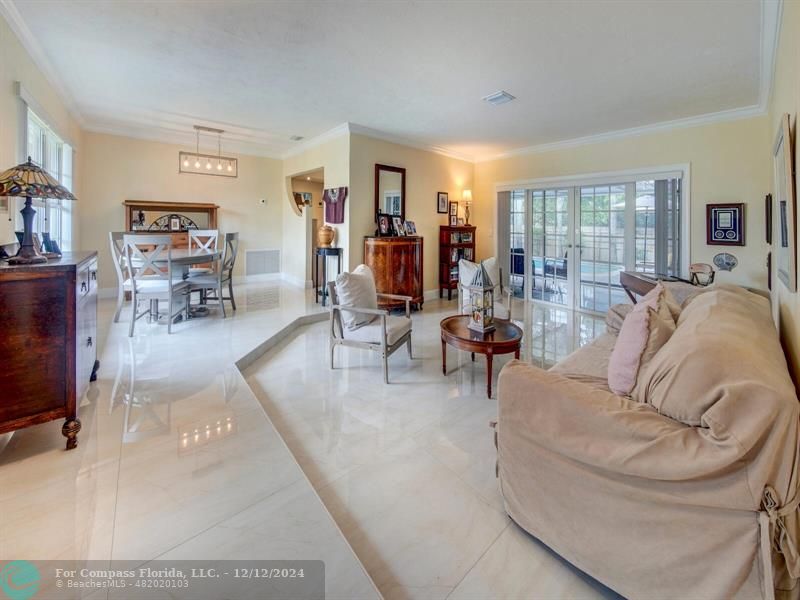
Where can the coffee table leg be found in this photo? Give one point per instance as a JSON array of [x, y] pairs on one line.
[[473, 356], [516, 353], [444, 357], [489, 373]]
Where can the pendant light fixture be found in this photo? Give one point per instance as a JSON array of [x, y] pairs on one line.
[[197, 163]]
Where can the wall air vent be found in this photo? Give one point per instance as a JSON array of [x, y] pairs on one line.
[[499, 98]]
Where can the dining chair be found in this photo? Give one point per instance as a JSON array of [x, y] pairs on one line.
[[118, 256], [356, 320], [148, 259], [199, 240], [223, 277]]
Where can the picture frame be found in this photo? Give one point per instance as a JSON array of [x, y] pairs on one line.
[[460, 222], [453, 221], [174, 224], [453, 209], [384, 224], [441, 202], [768, 218], [783, 173], [725, 225], [399, 228], [411, 228]]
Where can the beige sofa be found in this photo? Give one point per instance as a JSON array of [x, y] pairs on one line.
[[698, 504]]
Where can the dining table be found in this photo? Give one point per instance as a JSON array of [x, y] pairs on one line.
[[185, 258]]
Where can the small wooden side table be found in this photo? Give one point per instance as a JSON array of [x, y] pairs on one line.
[[505, 339], [321, 289]]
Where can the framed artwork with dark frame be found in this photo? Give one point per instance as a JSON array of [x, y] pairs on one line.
[[725, 224], [441, 203], [384, 224], [768, 218], [453, 209]]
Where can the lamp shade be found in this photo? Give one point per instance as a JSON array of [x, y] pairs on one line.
[[466, 195], [29, 180]]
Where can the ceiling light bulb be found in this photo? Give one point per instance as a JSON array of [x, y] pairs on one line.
[[208, 165], [197, 164], [219, 166], [185, 162], [308, 178], [230, 167]]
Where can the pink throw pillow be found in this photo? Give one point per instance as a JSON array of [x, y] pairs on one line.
[[644, 331]]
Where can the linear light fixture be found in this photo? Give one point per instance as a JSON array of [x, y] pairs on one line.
[[198, 163], [499, 97]]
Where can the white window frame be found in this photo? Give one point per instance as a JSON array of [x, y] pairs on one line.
[[676, 171]]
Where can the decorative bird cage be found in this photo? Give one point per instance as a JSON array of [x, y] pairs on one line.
[[481, 302]]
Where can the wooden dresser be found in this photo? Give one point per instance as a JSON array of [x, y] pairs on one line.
[[397, 265], [455, 243], [48, 344]]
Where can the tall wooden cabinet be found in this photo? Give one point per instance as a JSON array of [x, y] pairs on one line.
[[48, 344], [396, 262], [455, 243]]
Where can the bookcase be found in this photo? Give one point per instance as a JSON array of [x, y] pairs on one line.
[[455, 243]]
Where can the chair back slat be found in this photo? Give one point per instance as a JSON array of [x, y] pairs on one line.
[[203, 239], [115, 239], [230, 251], [141, 255]]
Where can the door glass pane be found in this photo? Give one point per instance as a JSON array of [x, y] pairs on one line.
[[517, 252], [602, 246], [550, 235]]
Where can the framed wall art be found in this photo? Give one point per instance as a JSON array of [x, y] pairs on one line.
[[783, 161], [441, 203], [725, 224]]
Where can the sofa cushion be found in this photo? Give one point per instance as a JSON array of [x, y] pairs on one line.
[[589, 363], [646, 328], [615, 316], [357, 288], [725, 346]]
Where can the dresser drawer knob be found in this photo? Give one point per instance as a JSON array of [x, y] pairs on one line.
[[83, 286]]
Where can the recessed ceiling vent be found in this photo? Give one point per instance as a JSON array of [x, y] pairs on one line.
[[296, 138], [498, 98]]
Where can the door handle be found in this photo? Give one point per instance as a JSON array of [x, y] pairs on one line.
[[89, 341], [83, 286]]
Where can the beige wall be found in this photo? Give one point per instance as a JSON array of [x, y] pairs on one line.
[[120, 168], [727, 165], [426, 174], [332, 156], [786, 99], [16, 65]]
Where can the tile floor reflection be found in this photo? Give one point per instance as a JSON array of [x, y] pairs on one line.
[[390, 485]]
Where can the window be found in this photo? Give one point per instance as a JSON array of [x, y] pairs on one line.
[[55, 156]]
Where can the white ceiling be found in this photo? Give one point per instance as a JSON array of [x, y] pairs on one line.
[[412, 70]]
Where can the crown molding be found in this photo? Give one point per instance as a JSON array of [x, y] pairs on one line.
[[395, 139], [734, 114], [11, 14], [771, 17], [331, 134]]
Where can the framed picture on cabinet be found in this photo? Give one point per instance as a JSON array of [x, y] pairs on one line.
[[453, 221], [399, 228], [441, 202], [384, 224], [453, 209]]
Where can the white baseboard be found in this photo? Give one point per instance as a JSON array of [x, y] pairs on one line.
[[237, 279]]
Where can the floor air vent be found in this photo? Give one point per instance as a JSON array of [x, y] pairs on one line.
[[262, 262]]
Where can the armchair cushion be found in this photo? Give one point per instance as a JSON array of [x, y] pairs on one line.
[[396, 327], [357, 289]]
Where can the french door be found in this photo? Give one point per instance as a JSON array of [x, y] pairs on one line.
[[569, 244]]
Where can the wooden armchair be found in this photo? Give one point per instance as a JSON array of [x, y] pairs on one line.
[[383, 334]]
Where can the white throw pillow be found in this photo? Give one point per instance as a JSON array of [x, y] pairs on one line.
[[493, 270], [357, 289]]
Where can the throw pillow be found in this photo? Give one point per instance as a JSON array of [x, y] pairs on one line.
[[357, 289], [647, 327]]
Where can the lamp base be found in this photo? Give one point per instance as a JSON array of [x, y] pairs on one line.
[[27, 260], [28, 254]]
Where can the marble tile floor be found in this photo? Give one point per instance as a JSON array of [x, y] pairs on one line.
[[407, 469], [392, 486], [176, 458]]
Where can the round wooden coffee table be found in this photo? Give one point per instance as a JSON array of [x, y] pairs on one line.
[[505, 339]]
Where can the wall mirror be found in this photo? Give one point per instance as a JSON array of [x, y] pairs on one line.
[[390, 191]]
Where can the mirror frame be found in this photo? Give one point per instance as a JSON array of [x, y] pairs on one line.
[[402, 171]]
